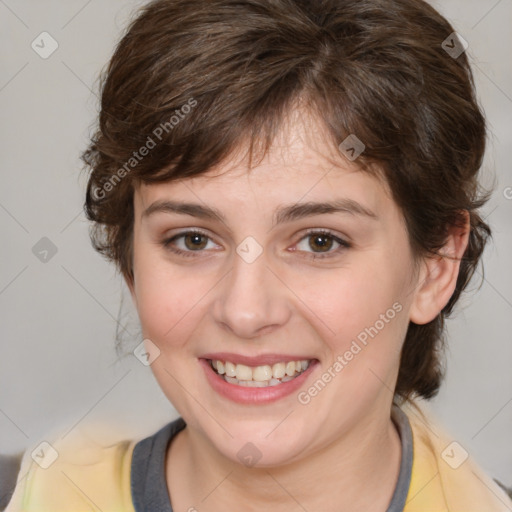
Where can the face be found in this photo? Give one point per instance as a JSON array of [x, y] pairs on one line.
[[264, 281]]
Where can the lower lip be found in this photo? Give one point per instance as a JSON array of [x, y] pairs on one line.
[[246, 395]]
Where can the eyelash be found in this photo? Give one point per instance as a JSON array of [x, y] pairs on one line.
[[167, 244]]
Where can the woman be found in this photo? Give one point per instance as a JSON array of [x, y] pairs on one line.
[[289, 189]]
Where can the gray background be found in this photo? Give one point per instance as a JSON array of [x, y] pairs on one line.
[[58, 366]]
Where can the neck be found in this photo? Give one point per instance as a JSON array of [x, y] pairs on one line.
[[357, 471]]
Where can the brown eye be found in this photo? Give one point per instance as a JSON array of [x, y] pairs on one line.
[[187, 243], [321, 242], [195, 241], [318, 244]]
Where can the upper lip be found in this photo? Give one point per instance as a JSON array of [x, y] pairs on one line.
[[263, 359]]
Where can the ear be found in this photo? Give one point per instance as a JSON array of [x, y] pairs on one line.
[[438, 275]]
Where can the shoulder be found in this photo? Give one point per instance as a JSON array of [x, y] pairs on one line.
[[445, 477], [76, 473]]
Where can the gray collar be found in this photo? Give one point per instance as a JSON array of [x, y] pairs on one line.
[[149, 486]]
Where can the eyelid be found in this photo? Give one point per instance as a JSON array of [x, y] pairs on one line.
[[167, 241], [344, 244]]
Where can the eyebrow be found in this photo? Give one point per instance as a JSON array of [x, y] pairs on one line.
[[283, 213]]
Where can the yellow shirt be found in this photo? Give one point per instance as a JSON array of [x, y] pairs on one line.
[[87, 476]]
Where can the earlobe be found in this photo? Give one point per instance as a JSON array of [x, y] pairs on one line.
[[438, 276]]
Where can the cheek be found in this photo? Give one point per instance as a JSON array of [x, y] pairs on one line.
[[168, 298], [361, 313], [351, 298]]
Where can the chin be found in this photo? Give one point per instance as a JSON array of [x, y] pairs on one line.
[[253, 446]]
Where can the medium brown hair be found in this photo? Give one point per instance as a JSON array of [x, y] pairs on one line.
[[192, 81]]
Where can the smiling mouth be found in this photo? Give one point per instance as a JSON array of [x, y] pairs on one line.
[[259, 376]]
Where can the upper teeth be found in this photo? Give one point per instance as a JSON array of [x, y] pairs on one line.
[[259, 373]]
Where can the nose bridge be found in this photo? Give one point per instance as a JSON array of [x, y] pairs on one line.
[[251, 299]]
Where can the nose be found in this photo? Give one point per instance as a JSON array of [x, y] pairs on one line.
[[251, 300]]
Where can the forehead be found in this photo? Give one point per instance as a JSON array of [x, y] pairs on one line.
[[303, 164]]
